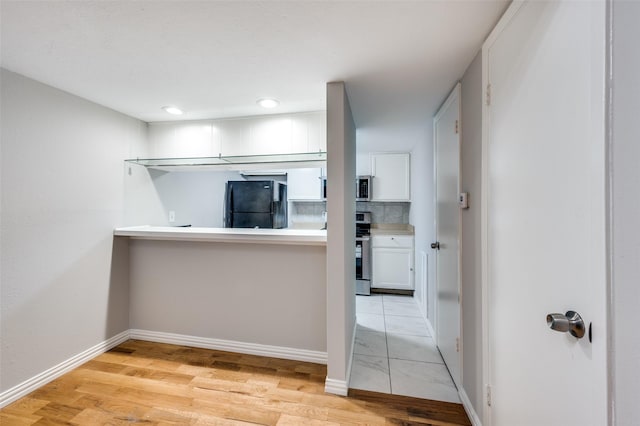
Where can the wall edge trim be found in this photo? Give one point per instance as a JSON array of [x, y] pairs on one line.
[[468, 407], [29, 385], [336, 387], [230, 346]]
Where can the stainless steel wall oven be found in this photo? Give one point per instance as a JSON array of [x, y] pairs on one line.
[[363, 253]]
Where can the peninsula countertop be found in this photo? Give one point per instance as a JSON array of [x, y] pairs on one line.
[[225, 235]]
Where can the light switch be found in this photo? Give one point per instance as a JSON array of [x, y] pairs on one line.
[[463, 200]]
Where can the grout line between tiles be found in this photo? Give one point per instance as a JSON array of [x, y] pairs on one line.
[[386, 343]]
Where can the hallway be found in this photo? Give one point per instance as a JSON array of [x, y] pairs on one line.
[[395, 353]]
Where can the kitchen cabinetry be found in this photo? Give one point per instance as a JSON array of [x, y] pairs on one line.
[[391, 176], [183, 140], [261, 135], [304, 184], [392, 260]]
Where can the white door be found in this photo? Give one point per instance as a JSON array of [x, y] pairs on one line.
[[544, 235], [446, 125]]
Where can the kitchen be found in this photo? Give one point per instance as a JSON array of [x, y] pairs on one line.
[[72, 114], [80, 148], [192, 200]]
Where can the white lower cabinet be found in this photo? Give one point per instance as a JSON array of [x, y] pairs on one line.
[[392, 262]]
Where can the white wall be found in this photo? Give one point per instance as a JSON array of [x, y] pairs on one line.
[[249, 293], [625, 203], [471, 278], [341, 171], [197, 197], [63, 282]]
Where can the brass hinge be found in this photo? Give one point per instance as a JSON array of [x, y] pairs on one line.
[[456, 127], [457, 344], [489, 395], [488, 94]]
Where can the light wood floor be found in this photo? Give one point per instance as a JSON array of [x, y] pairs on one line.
[[160, 384]]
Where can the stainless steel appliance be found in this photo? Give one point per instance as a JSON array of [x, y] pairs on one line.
[[363, 253], [255, 204], [363, 188]]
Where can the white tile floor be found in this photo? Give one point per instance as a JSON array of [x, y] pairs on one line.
[[394, 352]]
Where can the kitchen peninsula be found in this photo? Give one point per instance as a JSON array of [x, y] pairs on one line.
[[258, 291]]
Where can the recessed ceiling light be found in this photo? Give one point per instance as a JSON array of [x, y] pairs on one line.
[[172, 110], [268, 103]]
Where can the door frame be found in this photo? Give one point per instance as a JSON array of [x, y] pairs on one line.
[[456, 92], [502, 24]]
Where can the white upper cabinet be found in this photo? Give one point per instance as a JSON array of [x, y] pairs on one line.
[[317, 132], [182, 139], [233, 136], [391, 176], [304, 184], [261, 135]]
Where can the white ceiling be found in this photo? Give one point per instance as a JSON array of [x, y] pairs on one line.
[[216, 58]]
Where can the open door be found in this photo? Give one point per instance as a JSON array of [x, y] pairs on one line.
[[544, 215], [446, 130]]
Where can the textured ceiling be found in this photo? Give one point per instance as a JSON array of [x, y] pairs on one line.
[[216, 58]]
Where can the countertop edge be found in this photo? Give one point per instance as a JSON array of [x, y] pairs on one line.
[[224, 235]]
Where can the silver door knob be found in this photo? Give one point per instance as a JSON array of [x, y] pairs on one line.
[[571, 322]]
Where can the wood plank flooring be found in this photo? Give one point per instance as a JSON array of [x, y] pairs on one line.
[[160, 384]]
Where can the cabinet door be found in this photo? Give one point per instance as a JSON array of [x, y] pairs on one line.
[[182, 140], [391, 176], [304, 184], [317, 123], [234, 137], [392, 268], [269, 135]]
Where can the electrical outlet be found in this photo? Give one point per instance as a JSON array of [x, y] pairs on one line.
[[172, 216]]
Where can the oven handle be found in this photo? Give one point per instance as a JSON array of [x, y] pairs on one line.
[[367, 238]]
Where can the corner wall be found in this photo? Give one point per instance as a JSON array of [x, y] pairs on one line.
[[625, 210], [471, 273], [63, 284], [341, 233]]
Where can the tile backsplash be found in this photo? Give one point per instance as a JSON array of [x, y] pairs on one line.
[[386, 212], [305, 212]]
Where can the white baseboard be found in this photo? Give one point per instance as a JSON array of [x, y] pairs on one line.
[[336, 387], [230, 346], [341, 387], [22, 389], [28, 386], [468, 407], [432, 332]]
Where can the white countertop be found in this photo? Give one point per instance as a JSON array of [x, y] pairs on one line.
[[392, 229], [225, 235]]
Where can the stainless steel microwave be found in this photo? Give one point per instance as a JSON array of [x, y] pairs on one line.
[[363, 188]]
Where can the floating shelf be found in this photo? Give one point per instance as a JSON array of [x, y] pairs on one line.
[[241, 162]]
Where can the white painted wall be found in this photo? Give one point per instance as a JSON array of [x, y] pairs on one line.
[[197, 197], [63, 282], [341, 171], [471, 278], [251, 293], [625, 204]]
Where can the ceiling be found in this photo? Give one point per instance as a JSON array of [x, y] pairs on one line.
[[214, 59]]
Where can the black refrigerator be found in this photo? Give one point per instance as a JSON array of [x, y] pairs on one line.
[[255, 204]]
